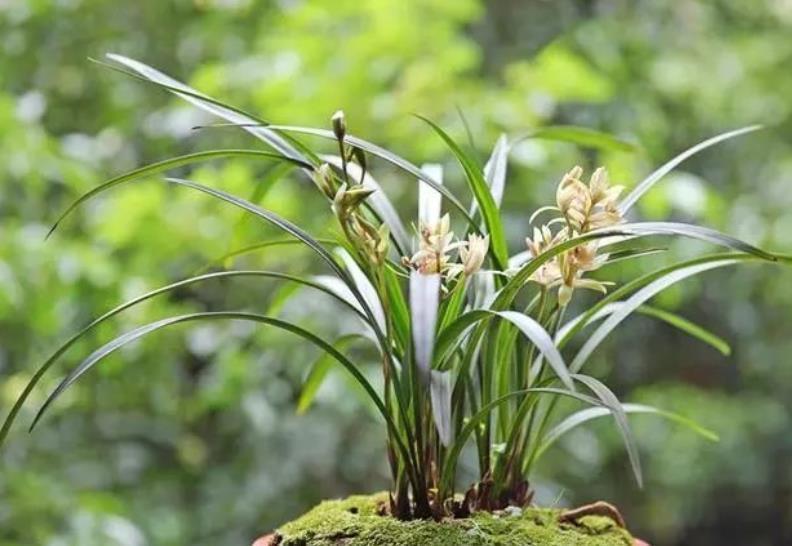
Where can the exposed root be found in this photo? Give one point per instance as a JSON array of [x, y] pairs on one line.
[[599, 508]]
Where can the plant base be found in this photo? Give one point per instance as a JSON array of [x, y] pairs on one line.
[[356, 522]]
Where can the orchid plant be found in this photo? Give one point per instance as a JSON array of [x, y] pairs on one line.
[[474, 345]]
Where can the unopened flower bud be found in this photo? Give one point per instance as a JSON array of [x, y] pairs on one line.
[[564, 294], [339, 125], [323, 177]]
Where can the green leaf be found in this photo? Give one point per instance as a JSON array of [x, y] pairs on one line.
[[453, 303], [612, 403], [251, 123], [107, 349], [583, 416], [683, 324], [397, 306], [447, 474], [318, 373], [582, 136], [542, 340], [481, 191], [39, 373], [635, 301], [645, 185], [255, 247], [297, 233], [694, 232], [165, 165], [689, 327]]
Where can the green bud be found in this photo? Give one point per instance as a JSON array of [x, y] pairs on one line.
[[339, 125], [354, 196], [323, 178]]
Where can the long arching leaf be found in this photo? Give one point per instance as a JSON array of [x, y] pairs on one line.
[[124, 339], [582, 136], [695, 232], [588, 414], [542, 340], [251, 123], [166, 165], [612, 403], [637, 300], [645, 185], [39, 373], [474, 175], [318, 373], [255, 247], [292, 230], [691, 328]]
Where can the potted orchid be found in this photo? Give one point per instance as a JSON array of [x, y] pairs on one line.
[[475, 343]]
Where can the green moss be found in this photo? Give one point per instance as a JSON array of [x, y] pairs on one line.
[[354, 522]]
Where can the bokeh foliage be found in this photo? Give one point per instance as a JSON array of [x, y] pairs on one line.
[[191, 437]]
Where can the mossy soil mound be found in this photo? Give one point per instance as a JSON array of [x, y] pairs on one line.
[[355, 522]]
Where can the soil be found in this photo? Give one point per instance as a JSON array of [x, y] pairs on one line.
[[356, 521]]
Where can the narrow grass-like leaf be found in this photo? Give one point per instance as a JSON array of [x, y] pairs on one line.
[[542, 340], [424, 300], [398, 311], [612, 403], [484, 412], [635, 301], [256, 247], [694, 232], [294, 231], [588, 414], [691, 328], [319, 370], [645, 185], [440, 390], [582, 136], [124, 339], [166, 165], [687, 326], [41, 370], [481, 191], [251, 123], [364, 286]]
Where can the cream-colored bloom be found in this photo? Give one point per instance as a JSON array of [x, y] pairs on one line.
[[573, 198], [602, 193], [472, 254], [587, 207], [583, 207], [434, 246], [549, 273]]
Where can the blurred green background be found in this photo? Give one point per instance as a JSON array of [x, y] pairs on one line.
[[191, 437]]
